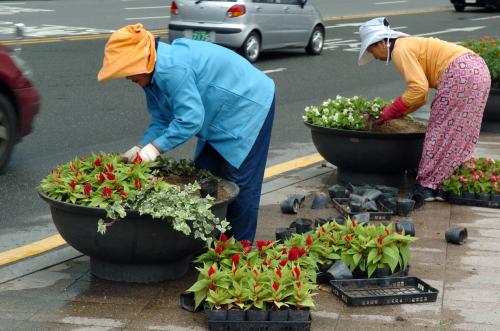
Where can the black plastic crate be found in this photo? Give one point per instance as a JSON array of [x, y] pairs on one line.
[[383, 291], [384, 213], [474, 202], [259, 325]]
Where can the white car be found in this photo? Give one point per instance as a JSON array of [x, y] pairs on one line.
[[250, 26]]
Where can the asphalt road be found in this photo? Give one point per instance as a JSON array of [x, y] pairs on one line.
[[77, 17], [79, 116]]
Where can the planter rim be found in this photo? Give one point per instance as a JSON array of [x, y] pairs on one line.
[[229, 186], [365, 134]]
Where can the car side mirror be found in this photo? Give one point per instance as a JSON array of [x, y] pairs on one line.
[[303, 3]]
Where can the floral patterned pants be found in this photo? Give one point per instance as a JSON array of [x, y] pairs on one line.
[[455, 119]]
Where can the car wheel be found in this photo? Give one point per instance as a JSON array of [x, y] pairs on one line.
[[316, 41], [7, 130], [459, 8], [251, 47]]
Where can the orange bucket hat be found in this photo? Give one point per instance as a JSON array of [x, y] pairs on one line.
[[129, 51]]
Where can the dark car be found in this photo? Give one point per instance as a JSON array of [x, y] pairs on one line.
[[461, 4], [19, 102]]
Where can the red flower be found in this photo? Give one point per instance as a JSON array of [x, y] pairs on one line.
[[235, 258], [276, 286], [72, 184], [293, 254], [283, 262], [107, 192], [247, 250], [256, 273], [246, 243], [298, 284], [261, 244], [110, 167], [278, 272], [211, 271], [387, 232], [323, 229], [353, 223], [97, 162], [110, 176], [87, 189], [400, 231], [379, 250], [218, 249], [380, 240], [347, 237], [309, 240], [223, 237], [302, 251], [101, 177], [138, 184], [296, 271], [283, 251], [137, 159], [123, 194]]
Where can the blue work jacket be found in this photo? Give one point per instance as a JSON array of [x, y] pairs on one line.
[[205, 90]]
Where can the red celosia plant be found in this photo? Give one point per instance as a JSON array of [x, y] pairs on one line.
[[477, 175]]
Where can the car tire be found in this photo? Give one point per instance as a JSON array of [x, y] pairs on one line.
[[316, 41], [7, 130], [459, 8], [250, 49]]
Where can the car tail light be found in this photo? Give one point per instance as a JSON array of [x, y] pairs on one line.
[[174, 10], [236, 10]]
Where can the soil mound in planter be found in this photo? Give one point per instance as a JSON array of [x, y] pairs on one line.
[[400, 125], [181, 181]]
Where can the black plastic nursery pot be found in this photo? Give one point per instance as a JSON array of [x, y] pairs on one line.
[[302, 225], [492, 109], [134, 249], [364, 157]]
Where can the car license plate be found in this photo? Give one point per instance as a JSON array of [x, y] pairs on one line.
[[470, 1], [201, 35]]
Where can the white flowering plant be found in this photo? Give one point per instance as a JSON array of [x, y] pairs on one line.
[[345, 113]]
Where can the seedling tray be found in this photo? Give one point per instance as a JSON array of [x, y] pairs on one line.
[[474, 202], [341, 204], [383, 291], [259, 325]]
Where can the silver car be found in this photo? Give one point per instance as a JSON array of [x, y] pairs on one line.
[[250, 26]]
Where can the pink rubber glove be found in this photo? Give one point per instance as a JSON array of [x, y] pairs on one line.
[[397, 109]]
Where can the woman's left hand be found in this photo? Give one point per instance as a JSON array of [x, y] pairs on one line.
[[397, 109]]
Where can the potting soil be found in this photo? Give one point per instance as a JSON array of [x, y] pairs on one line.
[[400, 125]]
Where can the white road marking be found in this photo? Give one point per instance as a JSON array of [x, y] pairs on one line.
[[156, 7], [144, 18], [7, 10], [46, 30], [344, 25], [389, 2], [273, 70], [484, 18], [469, 29]]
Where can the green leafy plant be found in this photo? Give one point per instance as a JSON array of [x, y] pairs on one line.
[[104, 181], [475, 175], [344, 113], [489, 49]]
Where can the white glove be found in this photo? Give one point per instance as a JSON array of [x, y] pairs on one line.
[[131, 153], [149, 153]]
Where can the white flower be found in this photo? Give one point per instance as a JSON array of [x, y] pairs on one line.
[[336, 117], [304, 117], [350, 118]]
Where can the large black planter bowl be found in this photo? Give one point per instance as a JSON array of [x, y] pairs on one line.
[[364, 157], [134, 249], [491, 115]]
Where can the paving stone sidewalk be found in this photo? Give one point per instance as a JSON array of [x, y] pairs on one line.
[[66, 297]]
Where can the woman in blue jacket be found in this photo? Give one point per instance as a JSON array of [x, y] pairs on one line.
[[200, 89]]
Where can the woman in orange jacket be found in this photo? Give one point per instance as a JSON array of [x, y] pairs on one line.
[[462, 80]]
